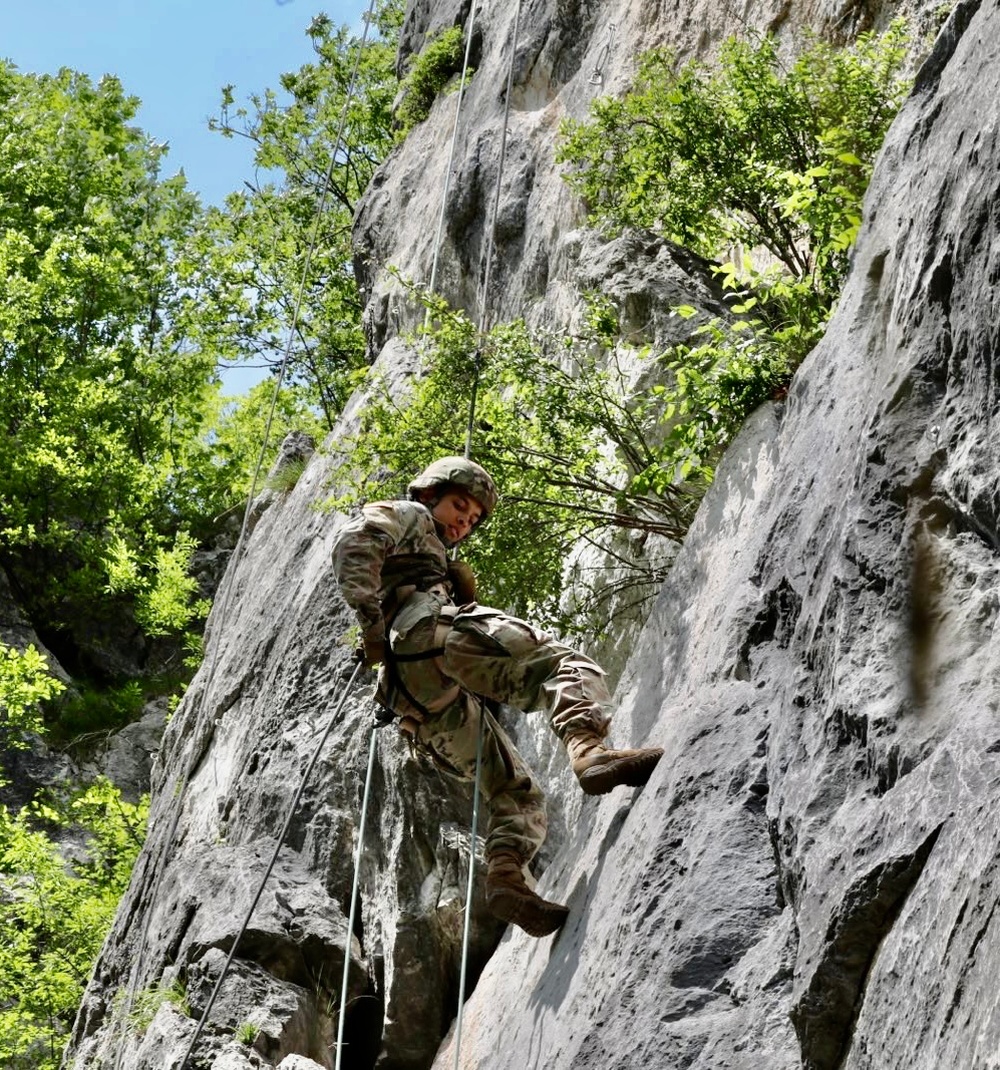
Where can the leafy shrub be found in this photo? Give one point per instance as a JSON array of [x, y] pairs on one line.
[[150, 1000], [99, 710], [430, 72], [54, 915], [25, 684], [749, 154]]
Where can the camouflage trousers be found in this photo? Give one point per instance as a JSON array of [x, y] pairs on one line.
[[461, 655]]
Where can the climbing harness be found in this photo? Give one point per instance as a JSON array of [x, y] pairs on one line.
[[597, 75]]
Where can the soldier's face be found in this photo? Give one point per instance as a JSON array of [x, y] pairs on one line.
[[456, 514]]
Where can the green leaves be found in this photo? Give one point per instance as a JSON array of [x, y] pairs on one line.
[[25, 684], [429, 72], [97, 390], [756, 155], [751, 153], [289, 231], [54, 915]]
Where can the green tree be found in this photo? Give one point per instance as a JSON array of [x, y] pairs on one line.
[[247, 270], [25, 684], [750, 152], [54, 915], [99, 395]]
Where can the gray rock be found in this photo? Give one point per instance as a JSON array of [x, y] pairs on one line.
[[809, 879], [126, 757], [298, 1062]]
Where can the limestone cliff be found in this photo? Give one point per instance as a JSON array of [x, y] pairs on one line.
[[810, 880]]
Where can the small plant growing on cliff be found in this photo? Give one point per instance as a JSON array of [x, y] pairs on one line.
[[284, 480], [147, 1002], [247, 1033], [428, 75]]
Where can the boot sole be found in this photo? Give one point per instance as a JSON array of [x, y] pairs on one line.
[[536, 917], [631, 772]]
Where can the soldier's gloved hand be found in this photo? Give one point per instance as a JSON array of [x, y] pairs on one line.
[[372, 651], [463, 582]]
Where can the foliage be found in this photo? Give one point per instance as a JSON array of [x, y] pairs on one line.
[[749, 154], [429, 73], [25, 683], [247, 1033], [286, 477], [163, 590], [98, 710], [98, 398], [147, 1002], [544, 413], [119, 455], [54, 915], [287, 235]]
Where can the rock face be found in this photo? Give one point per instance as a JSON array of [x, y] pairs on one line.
[[810, 880]]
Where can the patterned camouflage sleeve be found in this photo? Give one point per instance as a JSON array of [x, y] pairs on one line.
[[359, 551]]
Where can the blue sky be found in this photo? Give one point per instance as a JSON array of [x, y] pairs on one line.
[[175, 55]]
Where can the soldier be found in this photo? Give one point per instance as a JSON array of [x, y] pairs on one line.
[[441, 654]]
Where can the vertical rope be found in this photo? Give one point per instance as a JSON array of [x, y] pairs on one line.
[[274, 858], [484, 324], [354, 898], [484, 327], [467, 928], [451, 155], [484, 293]]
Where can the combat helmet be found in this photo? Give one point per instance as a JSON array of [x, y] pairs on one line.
[[461, 472]]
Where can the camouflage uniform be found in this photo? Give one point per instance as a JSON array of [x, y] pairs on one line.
[[392, 567]]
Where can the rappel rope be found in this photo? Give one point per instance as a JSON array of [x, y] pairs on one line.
[[470, 886], [274, 858], [352, 913], [439, 236], [182, 783], [483, 327]]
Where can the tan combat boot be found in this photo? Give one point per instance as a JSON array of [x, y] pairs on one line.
[[599, 769], [510, 899]]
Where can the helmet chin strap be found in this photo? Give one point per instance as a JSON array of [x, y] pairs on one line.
[[430, 501]]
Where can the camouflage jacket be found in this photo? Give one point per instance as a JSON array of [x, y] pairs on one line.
[[383, 556]]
